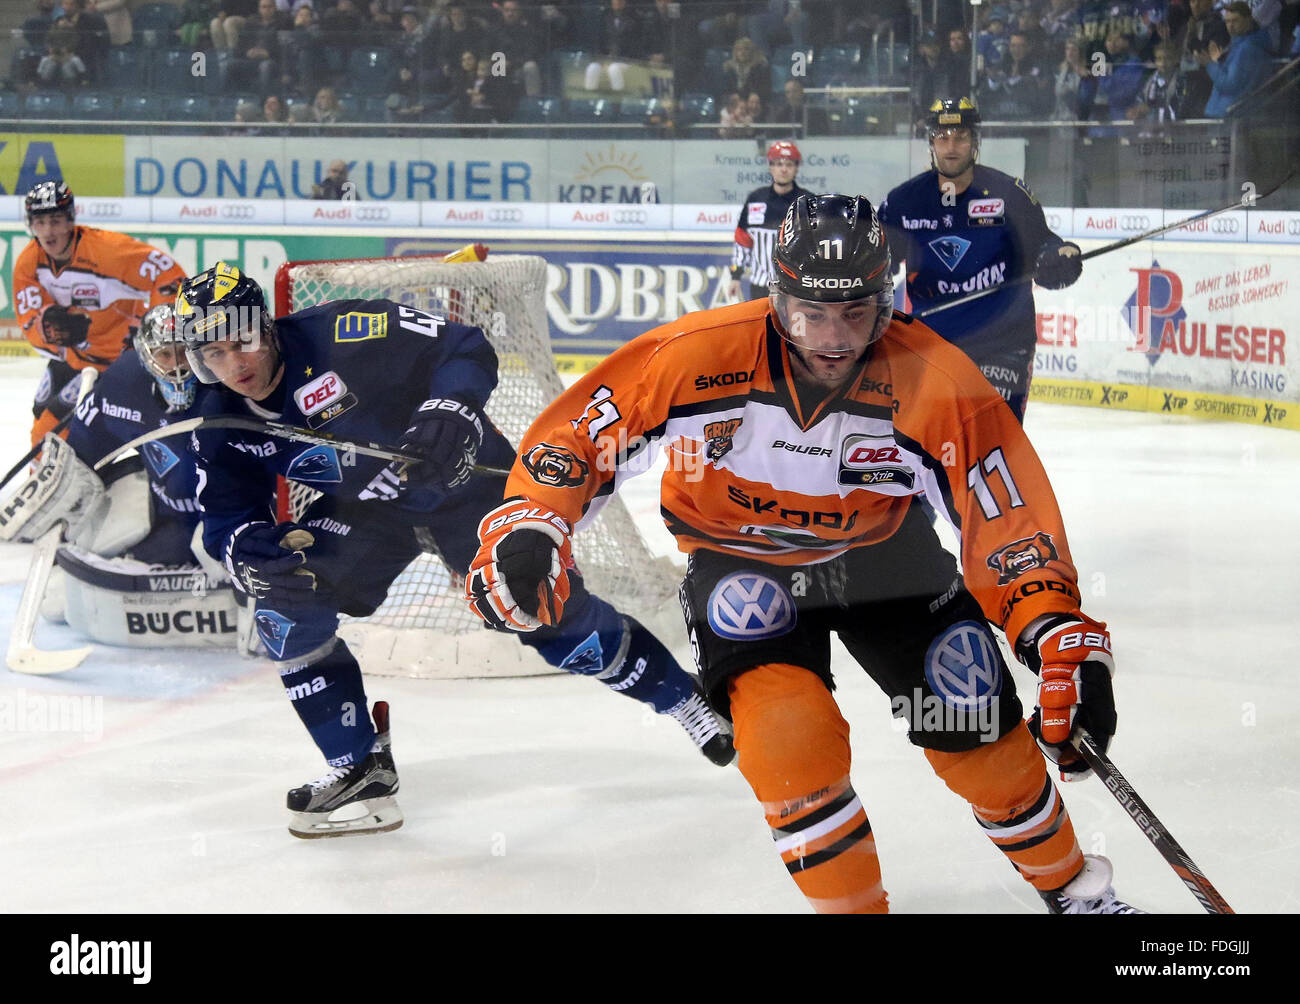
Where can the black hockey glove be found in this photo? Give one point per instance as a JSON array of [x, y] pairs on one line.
[[1058, 266], [448, 433], [264, 558], [64, 327]]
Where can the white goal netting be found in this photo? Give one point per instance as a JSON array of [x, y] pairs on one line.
[[424, 627]]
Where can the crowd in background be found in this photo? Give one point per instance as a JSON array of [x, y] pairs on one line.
[[296, 61]]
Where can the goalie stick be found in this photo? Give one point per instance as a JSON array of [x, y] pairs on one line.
[[22, 655], [1245, 202], [1154, 830], [291, 432]]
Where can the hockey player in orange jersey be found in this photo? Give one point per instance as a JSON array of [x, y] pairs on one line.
[[802, 434], [79, 292]]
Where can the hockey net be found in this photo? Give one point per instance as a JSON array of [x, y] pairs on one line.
[[424, 628]]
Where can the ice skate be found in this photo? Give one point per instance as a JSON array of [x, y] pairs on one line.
[[369, 786], [1088, 892], [706, 730]]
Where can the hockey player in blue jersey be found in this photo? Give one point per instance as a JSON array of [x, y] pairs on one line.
[[964, 227], [374, 371]]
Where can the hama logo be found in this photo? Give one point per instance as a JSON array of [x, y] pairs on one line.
[[1022, 556], [718, 438], [555, 466], [320, 463], [358, 326], [325, 389], [746, 605], [273, 628], [985, 208], [963, 668], [950, 250]]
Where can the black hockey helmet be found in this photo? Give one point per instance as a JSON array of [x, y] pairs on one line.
[[946, 112], [49, 197], [158, 331], [221, 304]]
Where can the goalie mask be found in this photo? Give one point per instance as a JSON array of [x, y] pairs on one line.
[[163, 353], [833, 294], [221, 308]]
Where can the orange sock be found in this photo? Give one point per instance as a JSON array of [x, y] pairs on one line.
[[793, 749], [1014, 800], [45, 422]]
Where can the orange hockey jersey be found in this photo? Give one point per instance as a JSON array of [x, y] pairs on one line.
[[111, 277], [754, 470]]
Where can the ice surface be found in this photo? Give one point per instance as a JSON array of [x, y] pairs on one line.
[[551, 794]]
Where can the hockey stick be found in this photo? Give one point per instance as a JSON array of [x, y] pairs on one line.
[[22, 655], [1245, 202], [291, 432], [88, 376], [1117, 784]]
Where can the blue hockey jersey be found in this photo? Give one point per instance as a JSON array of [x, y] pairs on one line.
[[991, 235], [357, 369], [123, 404]]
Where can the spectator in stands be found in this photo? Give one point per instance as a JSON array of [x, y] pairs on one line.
[[457, 34], [1267, 16], [325, 107], [229, 21], [1015, 90], [196, 22], [1076, 85], [1118, 87], [117, 18], [795, 110], [91, 33], [36, 27], [60, 67], [754, 109], [780, 22], [992, 41], [261, 41], [335, 184], [1060, 22], [926, 68], [622, 35], [734, 118], [300, 52], [273, 112], [954, 73], [1163, 97], [343, 24], [721, 30], [1242, 67], [747, 70], [383, 28], [480, 96], [521, 42]]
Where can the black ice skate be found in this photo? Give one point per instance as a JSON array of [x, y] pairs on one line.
[[369, 785], [706, 730], [1088, 892]]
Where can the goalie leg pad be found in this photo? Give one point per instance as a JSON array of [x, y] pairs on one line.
[[60, 490], [122, 518]]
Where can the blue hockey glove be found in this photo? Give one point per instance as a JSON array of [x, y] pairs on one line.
[[1058, 266], [448, 433], [267, 557]]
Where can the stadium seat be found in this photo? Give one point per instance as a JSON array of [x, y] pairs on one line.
[[535, 110], [590, 110], [189, 108], [142, 108], [45, 105], [370, 71], [839, 62], [350, 107], [11, 105], [161, 18], [96, 107], [173, 72], [22, 67], [562, 60], [124, 69], [696, 108]]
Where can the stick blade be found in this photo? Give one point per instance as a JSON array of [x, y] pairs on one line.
[[35, 662]]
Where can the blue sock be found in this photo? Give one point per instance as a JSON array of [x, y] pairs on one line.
[[330, 698]]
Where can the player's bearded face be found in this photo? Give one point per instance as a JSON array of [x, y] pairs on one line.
[[53, 232], [954, 151], [828, 340]]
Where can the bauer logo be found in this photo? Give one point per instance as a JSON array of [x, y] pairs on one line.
[[320, 463], [747, 606], [963, 668], [325, 389]]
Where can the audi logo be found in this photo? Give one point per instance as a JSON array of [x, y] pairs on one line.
[[1293, 227], [240, 212], [372, 214], [1135, 223], [505, 215], [631, 216], [1224, 225], [103, 210], [1054, 221]]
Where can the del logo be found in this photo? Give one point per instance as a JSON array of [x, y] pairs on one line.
[[874, 462], [963, 668], [746, 605], [555, 466], [320, 463], [160, 458], [314, 396], [273, 628], [357, 326], [1154, 311], [983, 209], [756, 214], [718, 438], [1022, 555], [85, 295]]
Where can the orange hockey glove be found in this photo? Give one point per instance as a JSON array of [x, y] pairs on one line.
[[1071, 655], [519, 579]]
